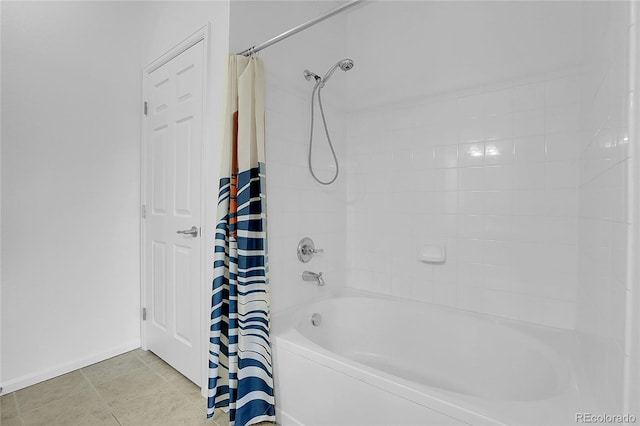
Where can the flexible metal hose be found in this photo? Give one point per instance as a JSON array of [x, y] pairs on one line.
[[318, 87]]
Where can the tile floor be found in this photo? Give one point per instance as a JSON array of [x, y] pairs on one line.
[[136, 388]]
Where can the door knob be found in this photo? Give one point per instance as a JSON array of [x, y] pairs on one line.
[[193, 231]]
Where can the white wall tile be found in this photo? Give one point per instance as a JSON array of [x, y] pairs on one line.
[[471, 179], [498, 202], [498, 177], [471, 129], [562, 91], [529, 176], [562, 146], [564, 118], [530, 202], [471, 226], [529, 96], [445, 156], [561, 174], [498, 127], [498, 152], [490, 180], [530, 149], [470, 250], [471, 202], [528, 123], [423, 158], [471, 154], [497, 227]]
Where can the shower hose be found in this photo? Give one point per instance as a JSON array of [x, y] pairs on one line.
[[318, 88]]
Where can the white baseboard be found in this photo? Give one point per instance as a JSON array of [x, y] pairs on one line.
[[286, 420], [49, 373]]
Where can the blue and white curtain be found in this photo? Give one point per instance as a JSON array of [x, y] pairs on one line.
[[240, 366]]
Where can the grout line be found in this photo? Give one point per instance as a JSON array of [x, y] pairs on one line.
[[115, 418], [15, 404]]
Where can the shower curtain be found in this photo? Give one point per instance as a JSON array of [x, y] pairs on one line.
[[240, 367]]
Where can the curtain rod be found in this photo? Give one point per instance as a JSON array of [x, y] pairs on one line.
[[301, 27]]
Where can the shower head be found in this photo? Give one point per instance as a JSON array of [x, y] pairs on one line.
[[344, 65]]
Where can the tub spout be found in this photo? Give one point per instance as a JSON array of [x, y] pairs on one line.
[[312, 276]]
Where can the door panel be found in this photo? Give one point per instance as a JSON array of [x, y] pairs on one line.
[[173, 134]]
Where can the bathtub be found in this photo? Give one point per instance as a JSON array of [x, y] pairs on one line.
[[376, 360]]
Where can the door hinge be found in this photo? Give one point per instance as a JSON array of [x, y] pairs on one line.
[[145, 107], [143, 211], [144, 314]]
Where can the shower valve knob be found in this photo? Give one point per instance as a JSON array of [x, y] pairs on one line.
[[306, 250]]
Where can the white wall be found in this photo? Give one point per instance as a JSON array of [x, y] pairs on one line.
[[70, 186], [0, 199], [607, 213], [72, 74], [297, 205], [409, 49]]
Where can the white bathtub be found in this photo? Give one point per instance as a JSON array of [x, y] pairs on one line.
[[379, 360]]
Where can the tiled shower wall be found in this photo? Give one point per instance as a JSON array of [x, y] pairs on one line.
[[605, 222], [297, 205], [491, 173]]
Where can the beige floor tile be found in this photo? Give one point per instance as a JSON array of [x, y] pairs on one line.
[[188, 389], [111, 368], [8, 407], [36, 396], [14, 421], [163, 406], [82, 408], [165, 370], [173, 376], [193, 396], [147, 357], [220, 418], [105, 418], [136, 389], [130, 385]]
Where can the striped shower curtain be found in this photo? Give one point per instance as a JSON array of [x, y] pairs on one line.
[[240, 368]]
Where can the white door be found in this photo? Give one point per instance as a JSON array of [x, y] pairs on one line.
[[172, 259]]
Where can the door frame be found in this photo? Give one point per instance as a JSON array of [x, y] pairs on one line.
[[202, 34]]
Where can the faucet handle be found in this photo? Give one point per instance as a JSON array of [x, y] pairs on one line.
[[306, 250]]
